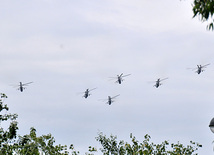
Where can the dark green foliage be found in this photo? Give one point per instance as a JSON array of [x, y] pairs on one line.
[[90, 149], [111, 146], [7, 136], [33, 145], [205, 10]]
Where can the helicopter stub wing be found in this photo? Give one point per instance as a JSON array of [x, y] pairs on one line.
[[108, 102]]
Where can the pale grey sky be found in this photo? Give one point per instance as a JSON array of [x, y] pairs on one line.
[[67, 46]]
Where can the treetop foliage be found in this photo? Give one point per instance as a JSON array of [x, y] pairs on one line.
[[112, 146], [7, 136], [29, 144], [205, 10]]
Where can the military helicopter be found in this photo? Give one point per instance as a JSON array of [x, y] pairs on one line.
[[120, 78], [110, 99], [199, 68], [86, 93], [21, 86], [158, 82]]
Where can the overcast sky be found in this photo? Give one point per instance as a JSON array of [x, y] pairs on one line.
[[67, 46]]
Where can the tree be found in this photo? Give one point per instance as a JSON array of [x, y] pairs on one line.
[[8, 135], [112, 146], [33, 145], [205, 10], [29, 144]]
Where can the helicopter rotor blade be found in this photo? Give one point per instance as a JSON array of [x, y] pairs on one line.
[[121, 75], [14, 86], [125, 75], [92, 89], [193, 69], [103, 100], [80, 93], [113, 77], [205, 65], [151, 81], [163, 79], [115, 96], [27, 83]]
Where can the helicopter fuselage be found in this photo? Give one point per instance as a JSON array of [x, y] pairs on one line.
[[119, 79], [21, 88], [157, 84], [199, 69], [109, 100], [86, 93]]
